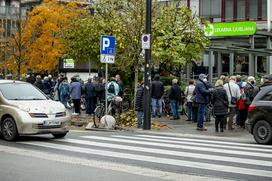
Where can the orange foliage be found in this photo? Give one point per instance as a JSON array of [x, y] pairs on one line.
[[42, 34]]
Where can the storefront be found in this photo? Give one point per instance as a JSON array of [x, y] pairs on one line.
[[238, 48]]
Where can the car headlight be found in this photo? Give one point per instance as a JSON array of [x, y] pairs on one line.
[[24, 108]]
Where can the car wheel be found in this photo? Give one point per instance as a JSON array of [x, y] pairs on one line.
[[9, 129], [59, 135], [262, 132]]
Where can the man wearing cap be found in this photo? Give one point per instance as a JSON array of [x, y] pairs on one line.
[[202, 99], [266, 81]]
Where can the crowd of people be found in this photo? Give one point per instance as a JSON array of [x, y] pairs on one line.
[[229, 98], [60, 89]]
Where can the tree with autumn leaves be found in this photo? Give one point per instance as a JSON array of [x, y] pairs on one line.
[[38, 44], [177, 37]]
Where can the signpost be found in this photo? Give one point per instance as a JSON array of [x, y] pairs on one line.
[[107, 55], [230, 29]]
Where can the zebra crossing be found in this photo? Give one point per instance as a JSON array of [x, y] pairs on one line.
[[214, 157]]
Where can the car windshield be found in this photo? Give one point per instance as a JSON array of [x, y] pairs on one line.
[[21, 91]]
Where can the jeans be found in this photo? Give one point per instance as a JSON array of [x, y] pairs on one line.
[[200, 115], [190, 110], [154, 106], [64, 100], [195, 112], [140, 118], [219, 120], [174, 108]]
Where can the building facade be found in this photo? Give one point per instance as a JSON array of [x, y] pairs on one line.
[[245, 55]]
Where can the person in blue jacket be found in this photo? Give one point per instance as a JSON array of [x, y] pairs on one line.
[[203, 93]]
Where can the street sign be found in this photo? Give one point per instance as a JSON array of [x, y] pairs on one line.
[[146, 41], [230, 29], [107, 49], [69, 63]]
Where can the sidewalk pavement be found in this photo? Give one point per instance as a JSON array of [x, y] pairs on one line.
[[181, 126]]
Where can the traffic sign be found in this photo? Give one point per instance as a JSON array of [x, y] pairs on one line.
[[146, 41], [107, 49]]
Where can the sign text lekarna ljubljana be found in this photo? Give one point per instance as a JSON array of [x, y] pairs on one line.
[[107, 49], [230, 29]]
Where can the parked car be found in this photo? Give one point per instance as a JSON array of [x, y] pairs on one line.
[[259, 121], [26, 110]]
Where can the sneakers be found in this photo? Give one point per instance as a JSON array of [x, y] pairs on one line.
[[201, 129]]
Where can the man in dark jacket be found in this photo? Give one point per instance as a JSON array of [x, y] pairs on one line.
[[157, 91], [46, 86], [90, 96], [202, 99], [175, 98], [38, 82], [139, 103], [267, 81]]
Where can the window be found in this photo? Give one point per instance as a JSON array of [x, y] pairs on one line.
[[253, 9], [241, 10], [228, 10], [267, 97], [210, 8], [264, 9]]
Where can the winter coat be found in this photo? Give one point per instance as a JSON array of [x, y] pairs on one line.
[[175, 93], [220, 102], [139, 103], [46, 87], [202, 92], [39, 84], [89, 90], [157, 89], [75, 90]]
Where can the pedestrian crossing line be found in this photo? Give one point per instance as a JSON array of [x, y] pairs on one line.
[[152, 159], [171, 153], [119, 167], [268, 147], [193, 142], [195, 148]]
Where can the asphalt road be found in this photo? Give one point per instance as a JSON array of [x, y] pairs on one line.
[[91, 155]]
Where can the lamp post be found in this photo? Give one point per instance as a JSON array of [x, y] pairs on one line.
[[147, 75]]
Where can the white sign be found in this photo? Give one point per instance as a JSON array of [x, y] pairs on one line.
[[146, 41], [68, 63], [107, 58]]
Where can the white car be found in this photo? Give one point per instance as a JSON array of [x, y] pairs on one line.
[[25, 110]]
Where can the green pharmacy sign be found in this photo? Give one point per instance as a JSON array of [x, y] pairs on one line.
[[230, 29]]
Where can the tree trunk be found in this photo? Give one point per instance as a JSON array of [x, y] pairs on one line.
[[136, 75], [19, 71]]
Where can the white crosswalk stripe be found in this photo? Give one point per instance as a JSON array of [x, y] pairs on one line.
[[219, 156]]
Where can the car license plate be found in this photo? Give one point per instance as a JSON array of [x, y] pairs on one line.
[[51, 123]]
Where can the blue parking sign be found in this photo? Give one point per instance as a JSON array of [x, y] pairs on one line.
[[107, 45]]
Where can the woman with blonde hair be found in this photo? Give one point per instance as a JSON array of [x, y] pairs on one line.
[[220, 104]]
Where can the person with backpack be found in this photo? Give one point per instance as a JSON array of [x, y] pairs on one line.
[[90, 96], [220, 102], [64, 92], [250, 90], [113, 88]]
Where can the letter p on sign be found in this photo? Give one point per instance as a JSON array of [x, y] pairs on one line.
[[105, 43]]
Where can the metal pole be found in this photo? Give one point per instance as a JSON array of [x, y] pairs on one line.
[[89, 67], [106, 90], [147, 76], [268, 16]]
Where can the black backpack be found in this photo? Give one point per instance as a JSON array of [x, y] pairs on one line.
[[111, 88]]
